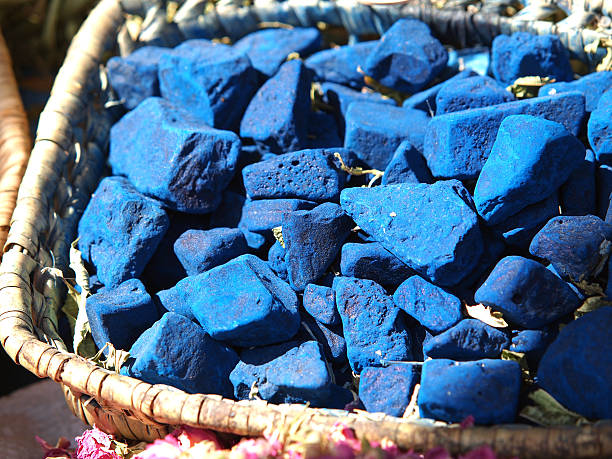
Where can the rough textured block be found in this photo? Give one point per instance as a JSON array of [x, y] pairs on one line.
[[313, 240], [600, 134], [576, 369], [176, 299], [426, 100], [472, 92], [200, 250], [177, 352], [486, 389], [276, 118], [577, 247], [320, 302], [120, 230], [213, 81], [119, 315], [179, 160], [533, 343], [527, 293], [434, 308], [592, 86], [458, 144], [333, 344], [265, 214], [523, 54], [407, 57], [374, 328], [388, 390], [407, 165], [531, 158], [268, 48], [372, 261], [578, 195], [276, 260], [431, 228], [374, 139]]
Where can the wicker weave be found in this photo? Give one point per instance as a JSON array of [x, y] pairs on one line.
[[64, 168]]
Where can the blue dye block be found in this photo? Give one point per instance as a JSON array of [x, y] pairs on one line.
[[475, 59], [340, 97], [577, 247], [179, 160], [256, 241], [578, 196], [574, 288], [329, 338], [320, 302], [176, 299], [407, 165], [426, 100], [599, 131], [119, 315], [340, 65], [134, 77], [470, 339], [604, 190], [265, 214], [229, 211], [523, 54], [531, 157], [177, 352], [374, 328], [407, 57], [472, 92], [458, 144], [527, 293], [277, 116], [284, 374], [576, 369], [313, 239], [374, 139], [200, 250], [434, 308], [213, 81], [432, 228], [388, 390], [486, 389], [276, 260], [533, 343], [605, 100], [592, 86], [372, 261], [268, 49], [242, 303], [313, 175], [120, 231], [323, 131]]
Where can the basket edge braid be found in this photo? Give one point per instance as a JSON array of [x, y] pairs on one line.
[[134, 409]]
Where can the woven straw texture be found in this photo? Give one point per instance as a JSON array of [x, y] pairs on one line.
[[67, 162]]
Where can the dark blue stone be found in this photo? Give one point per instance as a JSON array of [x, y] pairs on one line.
[[604, 190], [372, 261], [329, 337], [426, 100], [265, 214], [472, 92], [533, 343], [388, 390], [320, 302], [276, 260], [600, 134], [407, 165], [578, 195], [592, 86]]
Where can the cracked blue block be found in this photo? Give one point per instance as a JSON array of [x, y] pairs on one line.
[[407, 165], [120, 231], [426, 99], [388, 390], [179, 160], [472, 92], [526, 293], [276, 260], [372, 261], [320, 302], [212, 81], [277, 116], [531, 157], [578, 196], [533, 343], [432, 228], [486, 389], [374, 328], [177, 352], [592, 86], [523, 54], [458, 144], [265, 214], [407, 57]]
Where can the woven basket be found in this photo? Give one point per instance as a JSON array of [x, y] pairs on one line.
[[68, 160]]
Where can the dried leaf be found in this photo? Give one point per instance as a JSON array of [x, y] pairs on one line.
[[591, 304], [528, 86], [359, 170], [486, 315], [590, 289], [278, 235], [549, 412], [114, 360]]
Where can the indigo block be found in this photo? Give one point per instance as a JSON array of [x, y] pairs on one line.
[[533, 343], [523, 54], [388, 390], [213, 81], [600, 134], [268, 48], [372, 261], [276, 118], [200, 250], [340, 97], [407, 165], [119, 315], [179, 160], [374, 328], [458, 144], [592, 86], [470, 339], [276, 260], [527, 293], [578, 195], [426, 99], [374, 139], [313, 239], [333, 344], [265, 214], [434, 308], [407, 57], [486, 389], [472, 92], [576, 369], [320, 302], [177, 299], [177, 352], [531, 158], [120, 230], [577, 247], [432, 228]]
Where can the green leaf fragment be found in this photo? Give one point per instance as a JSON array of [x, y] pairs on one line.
[[547, 411]]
